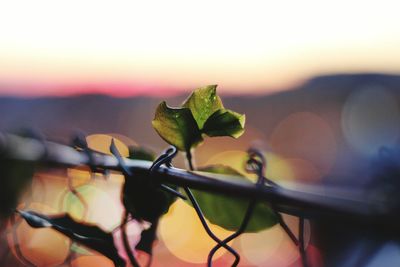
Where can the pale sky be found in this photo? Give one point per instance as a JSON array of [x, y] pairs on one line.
[[240, 45]]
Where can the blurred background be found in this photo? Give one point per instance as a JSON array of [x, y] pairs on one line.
[[318, 81]]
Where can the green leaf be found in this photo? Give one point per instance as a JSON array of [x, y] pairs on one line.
[[203, 102], [15, 178], [144, 200], [141, 153], [228, 212], [225, 122], [177, 127]]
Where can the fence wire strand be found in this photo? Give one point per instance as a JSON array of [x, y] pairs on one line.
[[356, 211]]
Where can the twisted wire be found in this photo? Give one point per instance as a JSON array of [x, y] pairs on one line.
[[166, 159]]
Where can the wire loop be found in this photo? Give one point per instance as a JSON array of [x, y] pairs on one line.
[[256, 164], [166, 159]]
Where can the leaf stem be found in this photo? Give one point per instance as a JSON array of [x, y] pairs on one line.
[[189, 159]]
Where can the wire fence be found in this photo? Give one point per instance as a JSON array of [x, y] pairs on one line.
[[356, 208]]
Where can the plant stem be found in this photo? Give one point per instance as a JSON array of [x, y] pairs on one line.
[[189, 160]]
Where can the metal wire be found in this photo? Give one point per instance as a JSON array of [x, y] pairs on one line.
[[257, 164], [125, 241], [166, 158], [127, 172], [357, 212], [203, 221], [253, 165], [302, 248]]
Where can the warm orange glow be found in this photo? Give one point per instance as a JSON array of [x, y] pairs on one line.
[[47, 189], [135, 47], [85, 261], [133, 231], [101, 143], [304, 171], [185, 237], [79, 177], [213, 146], [97, 198], [278, 168], [43, 247], [272, 247], [235, 159]]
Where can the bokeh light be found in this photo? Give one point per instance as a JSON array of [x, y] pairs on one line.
[[86, 261], [124, 139], [303, 170], [307, 136], [216, 145], [97, 200], [47, 188], [183, 234], [273, 247], [101, 143], [235, 159], [370, 119], [43, 247], [133, 231], [279, 169], [79, 176], [386, 256]]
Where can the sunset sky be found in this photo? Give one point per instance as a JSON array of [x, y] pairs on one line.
[[155, 47]]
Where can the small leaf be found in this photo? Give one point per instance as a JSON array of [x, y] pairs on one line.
[[228, 212], [141, 153], [203, 102], [15, 178], [225, 122], [89, 235], [177, 127], [144, 199]]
